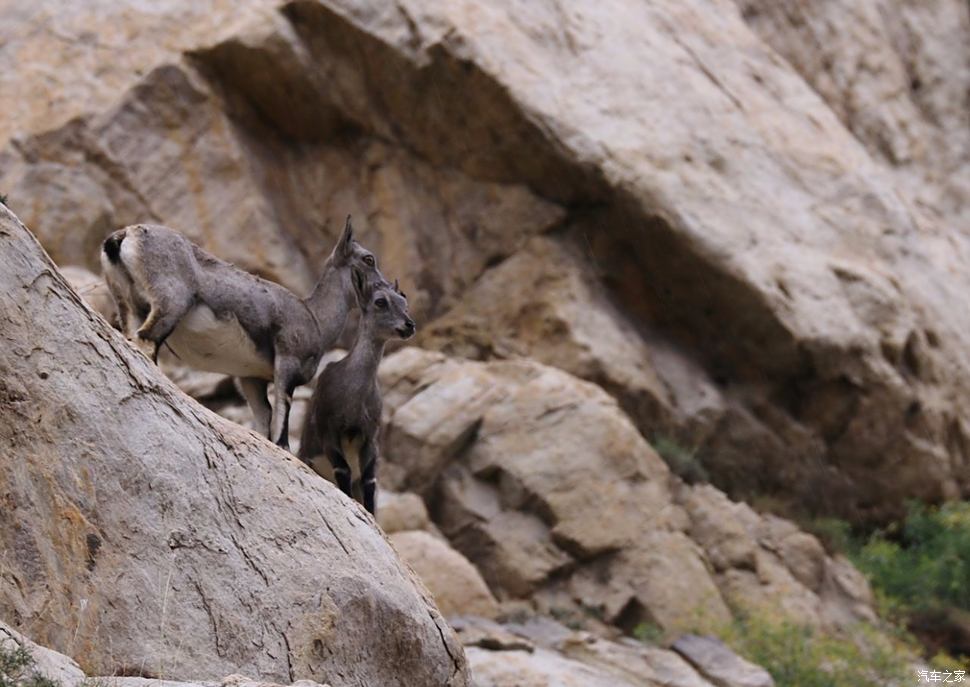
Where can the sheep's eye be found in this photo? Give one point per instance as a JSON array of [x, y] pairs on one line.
[[369, 260], [381, 303]]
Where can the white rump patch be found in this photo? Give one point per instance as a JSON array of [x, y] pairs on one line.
[[206, 342]]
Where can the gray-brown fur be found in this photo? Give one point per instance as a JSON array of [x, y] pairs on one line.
[[217, 317], [345, 411]]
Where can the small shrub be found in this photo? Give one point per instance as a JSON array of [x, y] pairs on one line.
[[572, 619], [17, 668], [799, 656], [13, 663], [683, 462], [648, 632], [3, 200]]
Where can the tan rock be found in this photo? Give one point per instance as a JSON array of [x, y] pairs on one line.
[[627, 661], [722, 528], [430, 429], [898, 92], [556, 497], [230, 681], [805, 557], [663, 580], [559, 315], [771, 587], [540, 668], [454, 582], [64, 671], [399, 512], [633, 661], [513, 550], [487, 634], [766, 563], [555, 476]]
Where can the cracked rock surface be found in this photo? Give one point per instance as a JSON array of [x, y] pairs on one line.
[[755, 208]]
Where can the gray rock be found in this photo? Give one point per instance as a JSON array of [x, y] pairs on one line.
[[539, 668], [719, 664]]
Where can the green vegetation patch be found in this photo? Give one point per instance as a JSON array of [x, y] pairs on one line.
[[800, 656], [923, 564], [17, 668], [684, 462]]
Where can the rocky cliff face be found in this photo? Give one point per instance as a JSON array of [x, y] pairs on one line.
[[749, 213], [547, 487], [736, 227]]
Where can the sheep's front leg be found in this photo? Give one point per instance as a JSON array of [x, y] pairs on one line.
[[285, 372], [368, 474], [254, 391]]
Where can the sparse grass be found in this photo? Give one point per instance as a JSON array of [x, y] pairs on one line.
[[650, 633], [17, 668], [569, 617], [682, 461], [95, 682], [800, 656]]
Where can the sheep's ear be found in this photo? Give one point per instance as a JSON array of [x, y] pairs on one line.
[[345, 243], [361, 288]]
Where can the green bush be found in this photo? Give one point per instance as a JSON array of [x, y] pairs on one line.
[[683, 462], [925, 563], [799, 656], [17, 669], [648, 632]]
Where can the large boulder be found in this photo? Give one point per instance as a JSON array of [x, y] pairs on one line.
[[544, 653], [146, 535], [543, 483], [454, 582]]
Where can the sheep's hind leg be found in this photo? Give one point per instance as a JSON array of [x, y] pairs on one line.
[[284, 381], [254, 391], [160, 323]]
